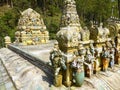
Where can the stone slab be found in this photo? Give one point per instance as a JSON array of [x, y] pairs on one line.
[[5, 81]]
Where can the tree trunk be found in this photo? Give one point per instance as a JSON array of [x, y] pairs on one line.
[[11, 3], [119, 8]]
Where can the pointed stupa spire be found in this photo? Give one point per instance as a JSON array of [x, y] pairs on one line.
[[70, 16], [70, 28]]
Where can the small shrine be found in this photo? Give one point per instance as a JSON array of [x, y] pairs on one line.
[[31, 29], [100, 35]]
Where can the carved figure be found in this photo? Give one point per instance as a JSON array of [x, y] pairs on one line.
[[78, 67], [97, 60], [88, 64], [17, 36], [116, 53], [7, 41], [92, 49], [95, 53], [105, 58], [58, 63], [112, 54]]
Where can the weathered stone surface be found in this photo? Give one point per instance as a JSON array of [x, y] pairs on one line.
[[5, 81], [24, 75]]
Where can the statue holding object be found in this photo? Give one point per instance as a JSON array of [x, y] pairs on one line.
[[105, 58], [78, 66]]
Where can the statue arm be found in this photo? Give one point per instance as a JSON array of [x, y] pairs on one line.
[[86, 63]]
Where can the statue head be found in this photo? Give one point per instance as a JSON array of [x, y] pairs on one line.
[[85, 28], [80, 46], [101, 24], [56, 45]]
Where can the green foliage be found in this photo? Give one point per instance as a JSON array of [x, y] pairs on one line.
[[8, 23], [96, 10], [21, 4], [52, 24]]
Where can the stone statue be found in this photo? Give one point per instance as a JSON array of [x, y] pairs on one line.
[[112, 57], [105, 58], [17, 37], [116, 53], [88, 64], [92, 49], [97, 60], [78, 66], [96, 55], [7, 41], [58, 63]]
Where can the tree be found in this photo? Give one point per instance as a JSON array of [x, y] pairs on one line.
[[95, 10], [8, 24]]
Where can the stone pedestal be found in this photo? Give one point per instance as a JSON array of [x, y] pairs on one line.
[[68, 73]]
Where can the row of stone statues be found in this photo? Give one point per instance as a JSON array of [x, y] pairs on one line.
[[85, 61]]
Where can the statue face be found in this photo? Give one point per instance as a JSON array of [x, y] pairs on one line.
[[56, 46]]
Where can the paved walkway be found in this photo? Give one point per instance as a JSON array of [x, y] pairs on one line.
[[5, 81]]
